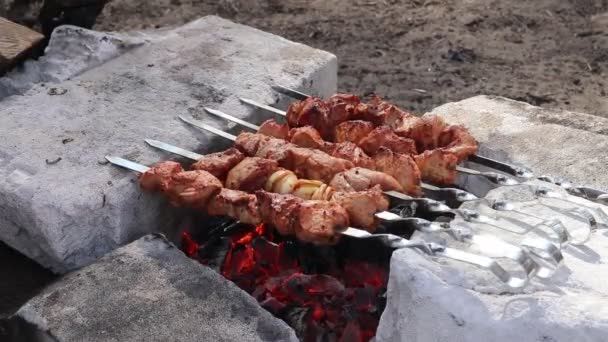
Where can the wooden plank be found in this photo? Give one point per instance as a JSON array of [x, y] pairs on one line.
[[16, 42]]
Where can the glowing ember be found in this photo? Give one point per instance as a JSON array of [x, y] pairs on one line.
[[342, 304]]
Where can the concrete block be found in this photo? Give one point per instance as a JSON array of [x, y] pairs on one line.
[[59, 203], [145, 291], [437, 300]]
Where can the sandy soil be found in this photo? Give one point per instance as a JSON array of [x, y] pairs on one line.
[[423, 53]]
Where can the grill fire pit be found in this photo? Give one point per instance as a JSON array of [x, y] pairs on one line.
[[498, 252]]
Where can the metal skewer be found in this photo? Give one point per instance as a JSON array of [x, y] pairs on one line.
[[413, 223], [452, 196], [397, 242], [580, 191]]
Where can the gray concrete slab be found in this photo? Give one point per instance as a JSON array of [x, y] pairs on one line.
[[437, 300], [145, 291], [103, 94]]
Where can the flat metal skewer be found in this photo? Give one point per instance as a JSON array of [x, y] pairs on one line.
[[580, 191], [397, 242], [413, 223]]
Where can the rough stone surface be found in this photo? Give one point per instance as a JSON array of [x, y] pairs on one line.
[[147, 291], [118, 91], [437, 300]]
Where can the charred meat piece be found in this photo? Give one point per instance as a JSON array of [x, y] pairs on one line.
[[352, 131], [437, 166], [274, 129], [457, 139], [362, 206], [218, 164], [251, 174], [236, 204], [359, 179], [349, 151], [193, 188], [158, 178], [384, 136], [402, 167], [249, 143]]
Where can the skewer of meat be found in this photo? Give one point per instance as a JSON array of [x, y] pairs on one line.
[[438, 165], [253, 173], [317, 165], [318, 222], [362, 205]]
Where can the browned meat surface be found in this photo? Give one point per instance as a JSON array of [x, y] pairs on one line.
[[249, 143], [353, 131], [351, 152], [158, 178], [236, 204], [218, 164], [349, 99], [458, 140], [317, 165], [281, 211], [193, 188], [359, 179], [274, 129], [362, 205], [384, 136], [437, 166], [306, 136], [251, 174], [310, 112], [402, 167], [320, 222]]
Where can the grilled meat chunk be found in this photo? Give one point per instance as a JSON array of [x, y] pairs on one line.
[[279, 210], [384, 136], [359, 179], [193, 188], [457, 139], [362, 206], [320, 222], [437, 166], [274, 129], [313, 112], [235, 204], [349, 151], [158, 178], [218, 164], [402, 167], [306, 136], [251, 174], [353, 131], [310, 221]]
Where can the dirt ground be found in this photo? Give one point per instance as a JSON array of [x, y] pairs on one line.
[[417, 53], [423, 53]]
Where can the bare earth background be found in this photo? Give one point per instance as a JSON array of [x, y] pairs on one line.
[[417, 53]]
